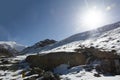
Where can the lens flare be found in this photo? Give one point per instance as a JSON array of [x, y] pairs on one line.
[[93, 18]]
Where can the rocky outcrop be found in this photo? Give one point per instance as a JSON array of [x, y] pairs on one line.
[[52, 60], [90, 52], [45, 43], [110, 61], [5, 52], [35, 48]]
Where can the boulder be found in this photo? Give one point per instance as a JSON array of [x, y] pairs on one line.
[[97, 75], [52, 60]]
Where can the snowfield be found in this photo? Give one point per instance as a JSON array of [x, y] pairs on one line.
[[83, 75], [79, 73], [74, 73]]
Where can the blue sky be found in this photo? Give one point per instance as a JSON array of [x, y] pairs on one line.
[[29, 21]]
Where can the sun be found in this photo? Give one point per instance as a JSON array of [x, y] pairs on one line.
[[93, 18]]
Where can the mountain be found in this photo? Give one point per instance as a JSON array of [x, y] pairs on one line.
[[11, 45], [74, 58], [39, 45], [10, 48], [104, 38]]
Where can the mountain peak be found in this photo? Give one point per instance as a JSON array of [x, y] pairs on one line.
[[12, 45]]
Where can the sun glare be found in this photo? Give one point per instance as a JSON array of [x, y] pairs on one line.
[[93, 18]]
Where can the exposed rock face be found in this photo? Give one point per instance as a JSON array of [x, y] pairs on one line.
[[6, 52], [88, 52], [52, 60], [110, 61], [45, 43], [110, 66]]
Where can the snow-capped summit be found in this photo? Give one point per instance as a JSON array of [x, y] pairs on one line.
[[12, 45]]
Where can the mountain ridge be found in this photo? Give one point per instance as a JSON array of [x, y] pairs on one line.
[[84, 38], [10, 48]]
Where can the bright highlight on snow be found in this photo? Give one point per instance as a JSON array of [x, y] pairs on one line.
[[93, 18]]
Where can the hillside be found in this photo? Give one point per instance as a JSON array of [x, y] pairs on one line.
[[90, 55], [104, 38]]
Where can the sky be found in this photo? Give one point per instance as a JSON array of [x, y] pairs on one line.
[[30, 21]]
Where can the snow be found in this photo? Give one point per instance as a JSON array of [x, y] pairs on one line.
[[109, 42], [62, 69], [104, 38], [8, 75], [87, 76], [74, 73], [79, 73], [107, 78], [13, 45]]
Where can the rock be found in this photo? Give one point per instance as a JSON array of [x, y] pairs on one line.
[[50, 76], [52, 60], [5, 61], [4, 68], [109, 60], [98, 68], [38, 45], [5, 52], [44, 43], [110, 66], [38, 71], [97, 75]]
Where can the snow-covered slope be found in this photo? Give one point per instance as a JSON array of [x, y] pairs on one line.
[[12, 45], [105, 38], [108, 41]]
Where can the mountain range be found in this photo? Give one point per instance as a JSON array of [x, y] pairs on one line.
[[89, 55], [104, 38]]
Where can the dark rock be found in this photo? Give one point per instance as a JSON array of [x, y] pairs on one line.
[[5, 52], [45, 43], [4, 68], [38, 71], [52, 60], [98, 68], [39, 44], [50, 76], [110, 66], [5, 61], [109, 60], [97, 75]]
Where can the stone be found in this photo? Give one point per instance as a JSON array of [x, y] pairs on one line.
[[52, 60]]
